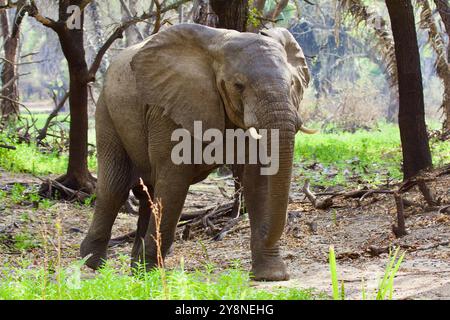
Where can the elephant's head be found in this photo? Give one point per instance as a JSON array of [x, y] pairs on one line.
[[197, 73], [203, 74]]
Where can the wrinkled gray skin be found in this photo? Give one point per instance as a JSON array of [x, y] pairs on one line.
[[188, 72]]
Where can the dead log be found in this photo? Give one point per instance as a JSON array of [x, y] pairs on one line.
[[227, 229]]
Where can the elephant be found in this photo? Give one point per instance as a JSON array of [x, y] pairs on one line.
[[185, 73]]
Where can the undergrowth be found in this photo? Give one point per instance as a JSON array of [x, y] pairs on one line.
[[27, 158], [116, 284], [371, 157]]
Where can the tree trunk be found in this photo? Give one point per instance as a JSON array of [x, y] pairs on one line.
[[9, 76], [413, 133], [78, 176], [203, 14], [232, 14]]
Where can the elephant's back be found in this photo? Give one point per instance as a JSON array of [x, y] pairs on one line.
[[120, 99], [120, 83]]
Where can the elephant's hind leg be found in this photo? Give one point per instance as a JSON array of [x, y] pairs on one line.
[[145, 212], [115, 176], [170, 192]]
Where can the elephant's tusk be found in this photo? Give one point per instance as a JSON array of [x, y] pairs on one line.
[[307, 131], [254, 134]]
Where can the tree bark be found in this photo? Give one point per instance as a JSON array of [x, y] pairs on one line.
[[232, 14], [78, 176], [9, 109], [413, 133], [203, 14]]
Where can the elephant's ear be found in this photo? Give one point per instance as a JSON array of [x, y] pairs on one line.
[[295, 56], [174, 72]]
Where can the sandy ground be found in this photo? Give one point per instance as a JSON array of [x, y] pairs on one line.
[[351, 227]]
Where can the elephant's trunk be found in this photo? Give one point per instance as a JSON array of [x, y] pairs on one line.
[[278, 185]]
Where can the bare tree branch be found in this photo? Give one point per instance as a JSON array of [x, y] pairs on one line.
[[11, 82], [278, 9], [130, 16], [158, 17], [53, 114], [118, 34], [33, 11]]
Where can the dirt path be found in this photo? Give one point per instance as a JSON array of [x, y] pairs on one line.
[[352, 229]]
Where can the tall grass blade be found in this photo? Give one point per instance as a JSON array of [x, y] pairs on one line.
[[334, 277]]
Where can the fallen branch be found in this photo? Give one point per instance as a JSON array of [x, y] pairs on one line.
[[318, 204], [444, 209], [372, 192], [227, 229], [48, 186], [376, 251]]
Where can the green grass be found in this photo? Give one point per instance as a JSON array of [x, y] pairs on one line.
[[25, 241], [41, 119], [370, 155], [113, 284], [29, 159], [385, 287]]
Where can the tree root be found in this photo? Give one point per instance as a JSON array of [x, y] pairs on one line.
[[54, 189]]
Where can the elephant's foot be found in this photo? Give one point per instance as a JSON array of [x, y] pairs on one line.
[[138, 264], [139, 259], [269, 269], [96, 250]]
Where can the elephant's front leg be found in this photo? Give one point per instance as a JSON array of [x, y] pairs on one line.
[[267, 263], [170, 192]]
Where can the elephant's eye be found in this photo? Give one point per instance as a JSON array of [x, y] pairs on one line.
[[239, 86]]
